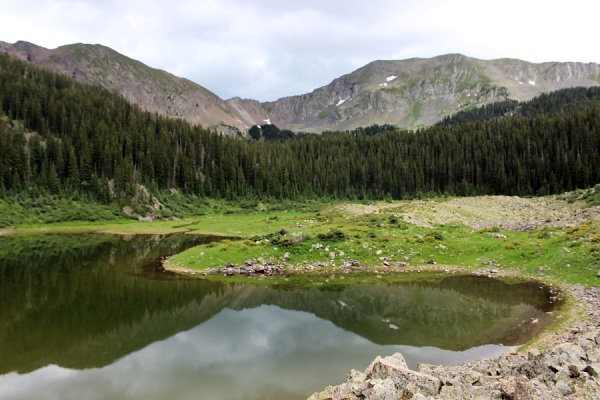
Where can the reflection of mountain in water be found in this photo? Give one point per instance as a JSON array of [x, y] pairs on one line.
[[85, 301]]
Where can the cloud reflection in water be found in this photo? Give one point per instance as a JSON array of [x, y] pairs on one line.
[[259, 353]]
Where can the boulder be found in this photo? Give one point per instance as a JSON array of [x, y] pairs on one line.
[[405, 380], [382, 368]]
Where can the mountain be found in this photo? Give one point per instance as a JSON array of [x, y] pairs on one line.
[[420, 92], [154, 90], [408, 93]]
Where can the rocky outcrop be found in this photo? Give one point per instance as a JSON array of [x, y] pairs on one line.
[[568, 368]]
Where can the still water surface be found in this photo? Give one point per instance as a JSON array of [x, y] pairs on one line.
[[94, 317]]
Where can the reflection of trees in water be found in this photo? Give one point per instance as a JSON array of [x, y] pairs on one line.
[[83, 301], [443, 314], [59, 291]]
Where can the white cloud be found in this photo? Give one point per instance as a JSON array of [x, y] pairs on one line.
[[267, 49]]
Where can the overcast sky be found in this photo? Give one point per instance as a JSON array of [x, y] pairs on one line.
[[266, 49]]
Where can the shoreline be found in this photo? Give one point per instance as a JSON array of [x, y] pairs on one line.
[[563, 362]]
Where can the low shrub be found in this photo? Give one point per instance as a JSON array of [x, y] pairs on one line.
[[333, 235]]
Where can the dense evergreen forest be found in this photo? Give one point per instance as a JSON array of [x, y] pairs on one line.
[[58, 136]]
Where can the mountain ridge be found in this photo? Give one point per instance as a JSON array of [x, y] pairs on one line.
[[410, 93]]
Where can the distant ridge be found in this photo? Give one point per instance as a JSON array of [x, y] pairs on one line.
[[409, 93]]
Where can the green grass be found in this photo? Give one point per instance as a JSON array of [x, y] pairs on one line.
[[416, 111], [570, 255], [591, 196], [50, 209], [323, 114]]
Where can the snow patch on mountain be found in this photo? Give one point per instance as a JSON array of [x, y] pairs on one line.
[[342, 101]]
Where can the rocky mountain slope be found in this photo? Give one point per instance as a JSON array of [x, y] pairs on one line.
[[154, 90], [408, 93], [417, 92]]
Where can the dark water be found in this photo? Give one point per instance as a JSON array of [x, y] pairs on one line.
[[94, 317]]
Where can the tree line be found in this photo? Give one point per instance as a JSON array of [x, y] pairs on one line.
[[58, 136]]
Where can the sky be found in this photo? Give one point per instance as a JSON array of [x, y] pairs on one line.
[[267, 49]]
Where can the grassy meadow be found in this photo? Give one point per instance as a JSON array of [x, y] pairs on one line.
[[381, 239]]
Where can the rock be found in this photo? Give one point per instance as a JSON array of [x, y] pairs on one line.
[[472, 378], [570, 353], [518, 387], [361, 387], [498, 236], [575, 371], [383, 389], [431, 262], [564, 388], [509, 388], [562, 375], [327, 394], [355, 376], [381, 368], [593, 369], [411, 382], [426, 368]]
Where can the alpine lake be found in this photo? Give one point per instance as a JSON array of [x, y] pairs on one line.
[[94, 316]]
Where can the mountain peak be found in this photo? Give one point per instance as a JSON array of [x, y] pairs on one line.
[[407, 93]]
